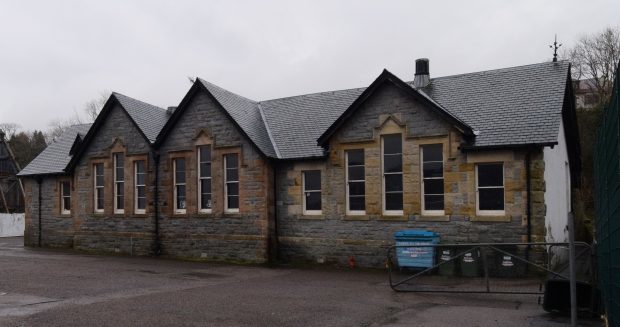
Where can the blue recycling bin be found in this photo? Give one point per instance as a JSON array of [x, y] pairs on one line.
[[415, 257]]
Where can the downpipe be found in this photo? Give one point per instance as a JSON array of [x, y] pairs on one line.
[[39, 183]]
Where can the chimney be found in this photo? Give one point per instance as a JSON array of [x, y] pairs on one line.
[[422, 77]]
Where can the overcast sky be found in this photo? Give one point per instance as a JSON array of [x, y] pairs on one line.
[[57, 55]]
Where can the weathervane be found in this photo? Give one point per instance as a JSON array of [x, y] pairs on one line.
[[555, 47]]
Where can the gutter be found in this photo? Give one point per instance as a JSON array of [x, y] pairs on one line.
[[156, 200], [528, 181], [39, 183]]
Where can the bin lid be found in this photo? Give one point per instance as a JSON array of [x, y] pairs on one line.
[[415, 233]]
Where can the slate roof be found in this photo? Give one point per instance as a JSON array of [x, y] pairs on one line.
[[506, 107], [509, 107], [55, 157], [246, 113], [149, 118]]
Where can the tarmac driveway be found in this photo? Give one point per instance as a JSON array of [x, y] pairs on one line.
[[62, 288]]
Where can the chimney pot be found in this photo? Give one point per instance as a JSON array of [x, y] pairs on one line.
[[422, 76]]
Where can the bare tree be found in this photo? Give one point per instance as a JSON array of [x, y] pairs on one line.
[[94, 106], [58, 126], [595, 57], [9, 129]]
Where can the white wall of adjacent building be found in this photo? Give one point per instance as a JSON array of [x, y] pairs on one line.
[[557, 189], [11, 224]]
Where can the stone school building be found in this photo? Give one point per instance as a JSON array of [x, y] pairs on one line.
[[482, 157]]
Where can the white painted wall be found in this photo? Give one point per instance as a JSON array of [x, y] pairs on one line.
[[11, 224], [557, 190]]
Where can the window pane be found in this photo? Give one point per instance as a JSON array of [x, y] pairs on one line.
[[120, 202], [356, 173], [394, 183], [233, 189], [66, 190], [99, 198], [99, 169], [432, 152], [205, 170], [205, 185], [66, 204], [312, 180], [357, 203], [357, 188], [141, 179], [120, 189], [433, 186], [433, 169], [120, 174], [140, 166], [180, 177], [233, 202], [180, 196], [393, 201], [141, 191], [232, 175], [433, 202], [141, 203], [491, 199], [393, 163], [355, 157], [313, 200], [491, 175], [231, 161], [206, 201], [205, 153], [392, 144]]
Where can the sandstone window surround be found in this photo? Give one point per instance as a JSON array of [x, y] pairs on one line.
[[204, 179], [98, 183], [139, 186], [392, 168], [490, 189], [432, 186], [119, 182], [179, 182], [231, 183], [65, 197], [355, 182], [311, 184]]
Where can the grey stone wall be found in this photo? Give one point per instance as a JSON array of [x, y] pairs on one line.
[[334, 236], [218, 235], [56, 229], [126, 233]]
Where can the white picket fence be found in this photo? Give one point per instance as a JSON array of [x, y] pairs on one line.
[[11, 224]]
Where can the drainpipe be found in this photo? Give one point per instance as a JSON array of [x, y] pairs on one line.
[[528, 181], [39, 183], [156, 199], [275, 213]]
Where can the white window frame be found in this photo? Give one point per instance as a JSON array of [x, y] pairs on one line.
[[347, 180], [422, 178], [200, 208], [115, 158], [384, 194], [64, 196], [303, 194], [137, 186], [176, 184], [226, 182], [490, 212], [97, 188]]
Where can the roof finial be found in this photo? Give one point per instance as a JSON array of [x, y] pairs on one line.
[[555, 48]]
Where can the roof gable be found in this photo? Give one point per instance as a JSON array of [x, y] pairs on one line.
[[387, 77], [145, 117], [244, 114]]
